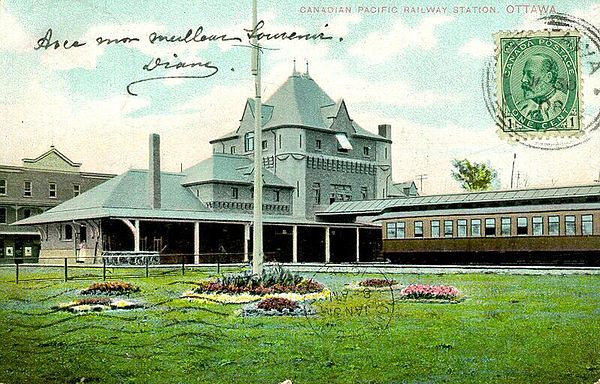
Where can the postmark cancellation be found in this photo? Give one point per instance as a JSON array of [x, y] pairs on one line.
[[539, 83]]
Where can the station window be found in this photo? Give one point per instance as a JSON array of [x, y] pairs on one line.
[[2, 215], [52, 190], [363, 192], [461, 228], [3, 187], [448, 228], [366, 151], [538, 226], [276, 195], [570, 225], [76, 190], [317, 192], [232, 149], [505, 226], [418, 229], [587, 227], [435, 228], [249, 141], [476, 227], [27, 189], [234, 192], [318, 144], [553, 226], [490, 227], [264, 144], [522, 226], [68, 232]]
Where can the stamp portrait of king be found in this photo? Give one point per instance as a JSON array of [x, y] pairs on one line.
[[539, 81]]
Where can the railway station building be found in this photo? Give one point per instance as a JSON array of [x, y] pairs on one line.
[[314, 155]]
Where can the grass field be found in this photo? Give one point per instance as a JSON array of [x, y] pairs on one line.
[[509, 329]]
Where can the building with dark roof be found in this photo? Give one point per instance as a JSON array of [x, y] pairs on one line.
[[32, 188], [314, 154]]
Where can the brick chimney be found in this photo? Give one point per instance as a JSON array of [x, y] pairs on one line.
[[385, 130], [154, 172]]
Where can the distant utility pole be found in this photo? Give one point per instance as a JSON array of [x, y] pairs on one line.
[[518, 178], [512, 173], [421, 177]]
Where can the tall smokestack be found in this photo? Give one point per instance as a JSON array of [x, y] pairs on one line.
[[154, 171]]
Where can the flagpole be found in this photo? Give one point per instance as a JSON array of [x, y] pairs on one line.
[[257, 238]]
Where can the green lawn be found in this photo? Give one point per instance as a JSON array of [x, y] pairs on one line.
[[509, 329]]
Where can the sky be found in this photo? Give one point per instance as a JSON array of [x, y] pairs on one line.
[[418, 69]]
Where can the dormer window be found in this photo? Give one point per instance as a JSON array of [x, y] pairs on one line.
[[343, 142]]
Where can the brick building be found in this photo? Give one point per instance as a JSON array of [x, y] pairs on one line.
[[32, 188]]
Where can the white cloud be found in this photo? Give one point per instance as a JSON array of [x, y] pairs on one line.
[[340, 25], [13, 37], [477, 48], [377, 47]]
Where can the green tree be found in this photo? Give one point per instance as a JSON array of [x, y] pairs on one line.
[[473, 176]]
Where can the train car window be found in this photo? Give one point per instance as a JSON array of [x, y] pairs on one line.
[[587, 227], [418, 229], [435, 228], [391, 230], [505, 226], [400, 230], [490, 227], [522, 226], [476, 227], [570, 225], [553, 226], [448, 228], [538, 226], [461, 228]]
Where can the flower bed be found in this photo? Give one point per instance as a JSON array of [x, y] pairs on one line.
[[427, 292], [277, 306], [374, 285], [97, 304], [247, 288], [110, 288]]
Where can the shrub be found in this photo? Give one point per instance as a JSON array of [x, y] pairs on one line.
[[377, 283], [277, 303], [420, 291], [110, 288]]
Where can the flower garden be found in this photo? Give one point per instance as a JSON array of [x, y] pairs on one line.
[[522, 329]]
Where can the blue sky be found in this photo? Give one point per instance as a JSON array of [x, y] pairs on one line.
[[420, 72]]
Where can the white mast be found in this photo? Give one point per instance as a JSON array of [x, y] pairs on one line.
[[257, 238]]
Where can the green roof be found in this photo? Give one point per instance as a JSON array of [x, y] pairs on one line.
[[300, 101], [128, 191], [506, 198], [227, 168]]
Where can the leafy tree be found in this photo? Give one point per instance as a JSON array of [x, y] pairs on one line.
[[473, 176]]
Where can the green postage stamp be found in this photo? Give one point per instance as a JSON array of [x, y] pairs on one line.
[[539, 82]]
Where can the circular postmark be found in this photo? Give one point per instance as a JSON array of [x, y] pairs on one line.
[[352, 310], [533, 88]]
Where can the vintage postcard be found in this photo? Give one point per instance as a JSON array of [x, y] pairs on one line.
[[265, 191]]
